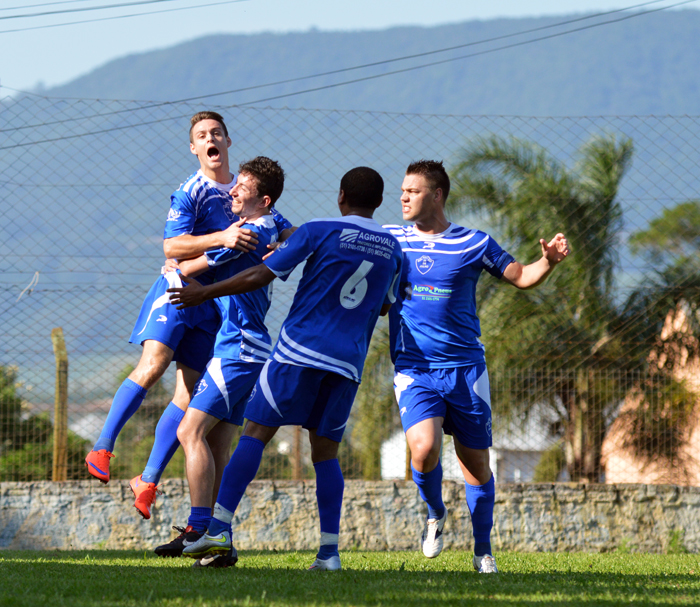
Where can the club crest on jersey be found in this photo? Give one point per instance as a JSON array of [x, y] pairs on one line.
[[173, 215], [424, 264]]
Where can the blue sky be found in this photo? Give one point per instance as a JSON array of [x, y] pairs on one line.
[[54, 55]]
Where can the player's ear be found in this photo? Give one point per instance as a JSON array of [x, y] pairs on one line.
[[438, 195], [192, 149], [265, 202], [228, 141], [341, 197]]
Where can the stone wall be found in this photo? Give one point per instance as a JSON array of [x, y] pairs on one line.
[[381, 515]]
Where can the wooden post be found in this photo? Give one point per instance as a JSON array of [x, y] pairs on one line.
[[296, 454], [409, 473], [60, 420]]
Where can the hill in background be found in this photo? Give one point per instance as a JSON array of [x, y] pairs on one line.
[[640, 66]]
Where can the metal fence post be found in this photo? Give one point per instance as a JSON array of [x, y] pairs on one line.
[[60, 425]]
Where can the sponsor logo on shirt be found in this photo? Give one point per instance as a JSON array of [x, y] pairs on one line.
[[173, 215], [424, 264], [403, 410], [348, 235], [430, 292], [367, 242], [162, 318], [429, 245]]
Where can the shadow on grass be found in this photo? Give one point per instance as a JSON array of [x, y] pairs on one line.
[[77, 579]]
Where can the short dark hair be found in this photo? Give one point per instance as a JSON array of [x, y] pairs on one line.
[[363, 187], [207, 115], [434, 173], [268, 175]]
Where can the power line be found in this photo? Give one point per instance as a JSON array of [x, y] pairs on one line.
[[336, 71], [362, 79], [167, 10], [17, 8], [85, 9]]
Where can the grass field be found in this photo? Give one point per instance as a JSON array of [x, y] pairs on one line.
[[401, 579]]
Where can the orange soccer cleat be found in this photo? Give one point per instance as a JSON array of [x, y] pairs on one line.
[[145, 495], [97, 463]]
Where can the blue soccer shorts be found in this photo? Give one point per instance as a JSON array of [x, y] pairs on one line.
[[288, 395], [224, 389], [461, 395], [190, 333]]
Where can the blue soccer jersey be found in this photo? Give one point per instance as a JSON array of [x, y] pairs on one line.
[[352, 269], [434, 324], [243, 334], [202, 206]]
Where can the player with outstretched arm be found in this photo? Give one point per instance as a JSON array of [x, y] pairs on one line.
[[441, 381]]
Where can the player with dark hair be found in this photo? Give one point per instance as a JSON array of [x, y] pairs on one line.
[[350, 278], [441, 381], [200, 218], [242, 347]]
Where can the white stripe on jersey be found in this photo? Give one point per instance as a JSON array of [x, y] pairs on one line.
[[214, 369], [255, 341], [302, 361], [320, 360], [252, 354], [439, 252]]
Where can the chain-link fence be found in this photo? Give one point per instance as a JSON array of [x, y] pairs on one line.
[[593, 375]]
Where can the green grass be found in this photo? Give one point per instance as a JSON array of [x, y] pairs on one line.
[[400, 579]]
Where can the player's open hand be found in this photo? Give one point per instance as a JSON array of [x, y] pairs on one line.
[[556, 249], [236, 237], [186, 297]]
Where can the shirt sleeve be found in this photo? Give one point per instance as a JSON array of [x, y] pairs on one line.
[[293, 251], [217, 257], [182, 215], [280, 222], [495, 260]]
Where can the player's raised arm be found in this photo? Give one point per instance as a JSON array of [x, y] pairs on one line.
[[531, 275], [243, 282]]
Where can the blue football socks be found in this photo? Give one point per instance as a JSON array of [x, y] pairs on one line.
[[126, 402], [199, 519], [329, 495], [480, 501], [165, 445], [238, 474], [430, 489]]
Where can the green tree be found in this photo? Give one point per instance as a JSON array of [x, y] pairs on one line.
[[575, 343], [375, 406]]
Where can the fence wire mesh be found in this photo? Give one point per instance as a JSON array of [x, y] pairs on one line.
[[594, 375]]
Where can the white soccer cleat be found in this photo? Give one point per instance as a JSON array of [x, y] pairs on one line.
[[485, 564], [330, 564], [431, 539], [209, 545]]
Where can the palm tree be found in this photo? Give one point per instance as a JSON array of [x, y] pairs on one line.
[[575, 343]]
